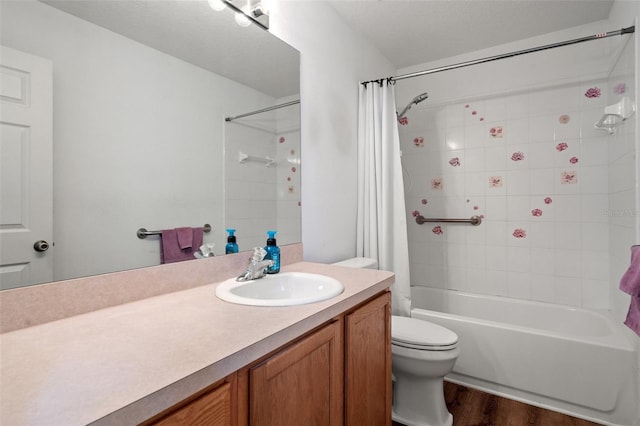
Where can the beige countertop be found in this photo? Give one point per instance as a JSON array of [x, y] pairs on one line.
[[126, 363]]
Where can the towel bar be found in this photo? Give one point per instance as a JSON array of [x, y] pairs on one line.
[[143, 233], [475, 220]]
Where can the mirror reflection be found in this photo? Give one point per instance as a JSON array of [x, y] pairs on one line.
[[140, 91]]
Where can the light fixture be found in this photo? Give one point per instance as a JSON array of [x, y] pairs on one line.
[[242, 18], [615, 114], [217, 5]]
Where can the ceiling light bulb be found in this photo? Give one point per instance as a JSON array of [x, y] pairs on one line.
[[216, 5], [241, 19]]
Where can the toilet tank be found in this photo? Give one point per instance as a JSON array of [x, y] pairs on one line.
[[359, 262]]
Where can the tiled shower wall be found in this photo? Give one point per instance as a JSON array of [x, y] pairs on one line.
[[623, 213], [531, 164], [261, 197]]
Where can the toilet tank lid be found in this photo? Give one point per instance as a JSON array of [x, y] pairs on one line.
[[419, 332], [359, 262]]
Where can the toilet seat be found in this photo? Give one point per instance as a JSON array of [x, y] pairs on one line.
[[421, 335]]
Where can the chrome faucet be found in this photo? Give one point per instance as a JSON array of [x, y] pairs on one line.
[[257, 266]]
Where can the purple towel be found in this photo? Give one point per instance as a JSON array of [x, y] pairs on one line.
[[185, 237], [630, 284], [170, 250]]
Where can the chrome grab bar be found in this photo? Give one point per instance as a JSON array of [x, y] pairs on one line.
[[475, 220], [142, 233]]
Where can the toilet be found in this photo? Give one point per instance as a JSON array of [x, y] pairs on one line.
[[422, 353]]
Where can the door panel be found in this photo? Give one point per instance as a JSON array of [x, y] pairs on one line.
[[26, 186]]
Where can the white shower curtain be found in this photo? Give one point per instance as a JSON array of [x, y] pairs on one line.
[[381, 216]]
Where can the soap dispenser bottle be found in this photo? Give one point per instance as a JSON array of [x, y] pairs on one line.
[[231, 246], [273, 253]]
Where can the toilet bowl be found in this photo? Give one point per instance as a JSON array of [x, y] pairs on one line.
[[422, 353]]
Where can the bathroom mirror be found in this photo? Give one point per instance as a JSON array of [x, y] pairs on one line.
[[141, 90]]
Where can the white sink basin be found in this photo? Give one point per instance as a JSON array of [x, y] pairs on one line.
[[283, 289]]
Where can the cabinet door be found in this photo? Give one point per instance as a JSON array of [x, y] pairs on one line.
[[368, 364], [213, 408], [302, 385]]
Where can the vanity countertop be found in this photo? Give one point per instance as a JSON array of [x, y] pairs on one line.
[[126, 363]]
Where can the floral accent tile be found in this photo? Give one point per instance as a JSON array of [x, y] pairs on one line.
[[437, 230], [403, 121], [436, 183], [564, 119], [536, 212], [282, 139], [455, 162], [495, 181], [419, 142], [293, 169], [291, 189], [548, 200], [496, 132], [620, 88], [562, 146], [519, 233], [476, 207], [573, 160], [569, 177], [517, 156], [593, 92], [415, 213], [424, 201]]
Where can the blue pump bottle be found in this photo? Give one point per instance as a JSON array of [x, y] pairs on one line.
[[231, 246], [273, 253]]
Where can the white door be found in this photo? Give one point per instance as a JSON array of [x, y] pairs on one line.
[[26, 202]]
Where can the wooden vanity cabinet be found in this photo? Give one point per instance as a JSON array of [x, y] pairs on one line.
[[338, 374], [215, 406]]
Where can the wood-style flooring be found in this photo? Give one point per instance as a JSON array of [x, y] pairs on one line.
[[471, 407]]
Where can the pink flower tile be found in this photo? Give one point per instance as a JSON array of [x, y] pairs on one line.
[[519, 233], [562, 146], [593, 92], [564, 119], [424, 201], [436, 183], [419, 141], [437, 230], [455, 161], [496, 132], [620, 88], [536, 212], [548, 200], [573, 160], [415, 213], [403, 121], [569, 177], [281, 140], [517, 156], [495, 181]]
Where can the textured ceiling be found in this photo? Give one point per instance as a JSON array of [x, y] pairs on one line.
[[414, 32], [193, 32]]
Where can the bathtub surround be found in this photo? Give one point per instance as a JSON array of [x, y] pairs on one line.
[[578, 361], [381, 229], [514, 142]]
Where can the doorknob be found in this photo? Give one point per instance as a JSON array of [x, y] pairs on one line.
[[41, 246]]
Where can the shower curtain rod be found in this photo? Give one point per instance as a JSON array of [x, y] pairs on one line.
[[622, 31], [258, 111]]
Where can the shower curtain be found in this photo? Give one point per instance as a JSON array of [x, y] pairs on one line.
[[381, 215]]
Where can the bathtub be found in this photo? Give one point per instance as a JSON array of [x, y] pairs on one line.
[[571, 360]]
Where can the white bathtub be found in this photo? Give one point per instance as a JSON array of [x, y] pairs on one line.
[[570, 360]]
